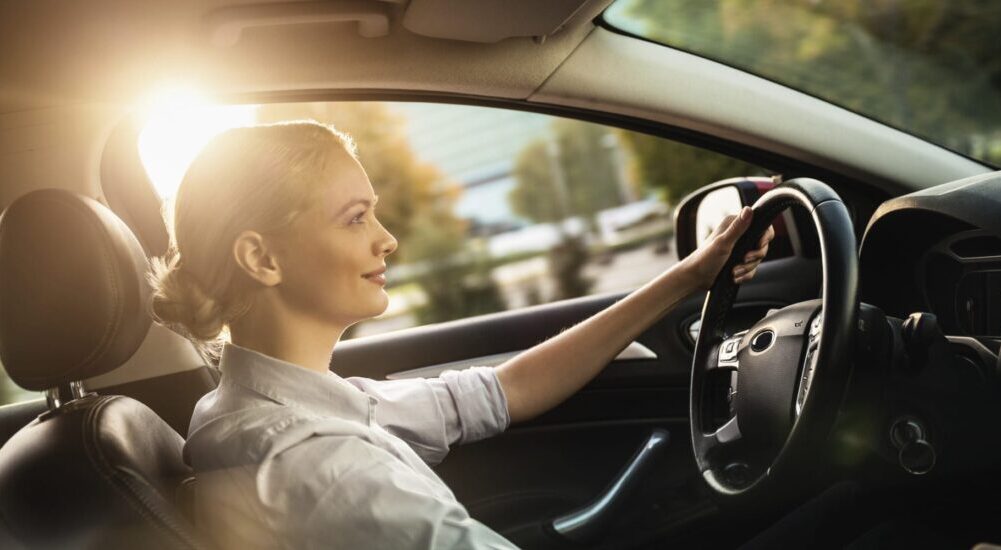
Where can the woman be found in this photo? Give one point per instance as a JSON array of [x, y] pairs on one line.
[[275, 238]]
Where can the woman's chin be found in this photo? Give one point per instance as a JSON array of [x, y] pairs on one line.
[[381, 304], [374, 305]]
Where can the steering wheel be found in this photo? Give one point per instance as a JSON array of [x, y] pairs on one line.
[[783, 379]]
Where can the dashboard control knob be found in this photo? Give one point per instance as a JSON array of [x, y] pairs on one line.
[[917, 457], [920, 331], [905, 430], [738, 473], [914, 453]]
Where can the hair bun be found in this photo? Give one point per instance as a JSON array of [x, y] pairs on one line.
[[180, 302]]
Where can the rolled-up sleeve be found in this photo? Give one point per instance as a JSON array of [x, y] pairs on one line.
[[431, 414], [476, 405]]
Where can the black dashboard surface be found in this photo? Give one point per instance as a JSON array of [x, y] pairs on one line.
[[938, 250]]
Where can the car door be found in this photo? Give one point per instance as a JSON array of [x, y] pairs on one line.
[[535, 471]]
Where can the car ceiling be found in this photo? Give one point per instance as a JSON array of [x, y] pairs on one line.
[[71, 70], [103, 50]]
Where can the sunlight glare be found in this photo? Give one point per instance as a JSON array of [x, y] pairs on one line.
[[178, 124]]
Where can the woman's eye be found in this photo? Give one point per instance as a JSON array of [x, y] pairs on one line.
[[360, 218]]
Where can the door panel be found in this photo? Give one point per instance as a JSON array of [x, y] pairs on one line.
[[518, 481]]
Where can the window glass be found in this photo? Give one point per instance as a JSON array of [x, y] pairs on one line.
[[498, 209], [932, 69], [11, 393], [494, 209]]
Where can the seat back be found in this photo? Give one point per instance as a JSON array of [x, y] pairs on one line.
[[92, 471], [102, 472]]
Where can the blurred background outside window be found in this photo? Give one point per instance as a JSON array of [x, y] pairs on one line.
[[494, 209]]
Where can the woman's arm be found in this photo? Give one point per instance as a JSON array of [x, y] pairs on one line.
[[543, 376]]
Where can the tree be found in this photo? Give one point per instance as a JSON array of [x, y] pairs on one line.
[[931, 68], [674, 169], [573, 175], [460, 284]]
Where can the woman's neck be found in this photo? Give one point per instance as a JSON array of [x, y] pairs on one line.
[[282, 334]]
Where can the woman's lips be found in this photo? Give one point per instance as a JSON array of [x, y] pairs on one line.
[[378, 277]]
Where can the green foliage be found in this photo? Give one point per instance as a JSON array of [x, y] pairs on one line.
[[573, 175], [674, 169], [459, 284], [537, 195], [929, 67]]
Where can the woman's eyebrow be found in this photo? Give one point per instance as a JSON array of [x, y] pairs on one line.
[[352, 202]]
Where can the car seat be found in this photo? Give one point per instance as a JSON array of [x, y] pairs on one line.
[[93, 471]]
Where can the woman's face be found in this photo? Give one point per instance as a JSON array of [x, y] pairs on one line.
[[333, 268]]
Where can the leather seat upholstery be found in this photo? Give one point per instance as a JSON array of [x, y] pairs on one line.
[[93, 471], [102, 473]]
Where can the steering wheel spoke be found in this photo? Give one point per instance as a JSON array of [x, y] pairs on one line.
[[727, 433], [724, 436]]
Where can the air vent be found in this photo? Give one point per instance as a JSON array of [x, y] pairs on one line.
[[977, 247]]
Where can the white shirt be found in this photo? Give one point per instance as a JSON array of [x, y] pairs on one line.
[[286, 457]]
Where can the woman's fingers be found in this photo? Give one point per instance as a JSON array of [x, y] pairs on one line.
[[747, 269], [738, 225], [745, 277], [756, 255], [744, 268], [766, 237], [762, 249], [724, 224]]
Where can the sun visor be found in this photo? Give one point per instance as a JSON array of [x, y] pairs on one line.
[[490, 20]]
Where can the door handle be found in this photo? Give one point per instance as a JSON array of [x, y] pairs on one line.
[[588, 523]]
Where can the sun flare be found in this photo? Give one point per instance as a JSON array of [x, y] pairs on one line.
[[179, 122]]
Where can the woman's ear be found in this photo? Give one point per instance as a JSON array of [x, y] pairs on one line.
[[257, 259]]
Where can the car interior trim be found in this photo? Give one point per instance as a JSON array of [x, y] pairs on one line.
[[634, 351]]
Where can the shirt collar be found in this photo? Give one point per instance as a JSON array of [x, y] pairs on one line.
[[293, 385]]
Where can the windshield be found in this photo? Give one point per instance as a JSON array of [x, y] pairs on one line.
[[929, 68]]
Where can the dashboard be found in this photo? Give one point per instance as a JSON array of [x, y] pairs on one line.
[[938, 250], [961, 279]]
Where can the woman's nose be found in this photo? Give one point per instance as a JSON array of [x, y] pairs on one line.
[[387, 244]]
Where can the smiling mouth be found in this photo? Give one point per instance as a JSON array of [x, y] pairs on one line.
[[378, 277]]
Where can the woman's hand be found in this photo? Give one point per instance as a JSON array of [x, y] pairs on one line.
[[542, 376], [709, 258]]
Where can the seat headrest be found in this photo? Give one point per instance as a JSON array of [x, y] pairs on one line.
[[73, 292]]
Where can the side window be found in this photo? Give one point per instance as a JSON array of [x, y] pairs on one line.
[[497, 209], [11, 393], [494, 209]]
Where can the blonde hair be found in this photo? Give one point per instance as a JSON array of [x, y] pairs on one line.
[[258, 178]]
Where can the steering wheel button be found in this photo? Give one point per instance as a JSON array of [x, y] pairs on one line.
[[762, 341]]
